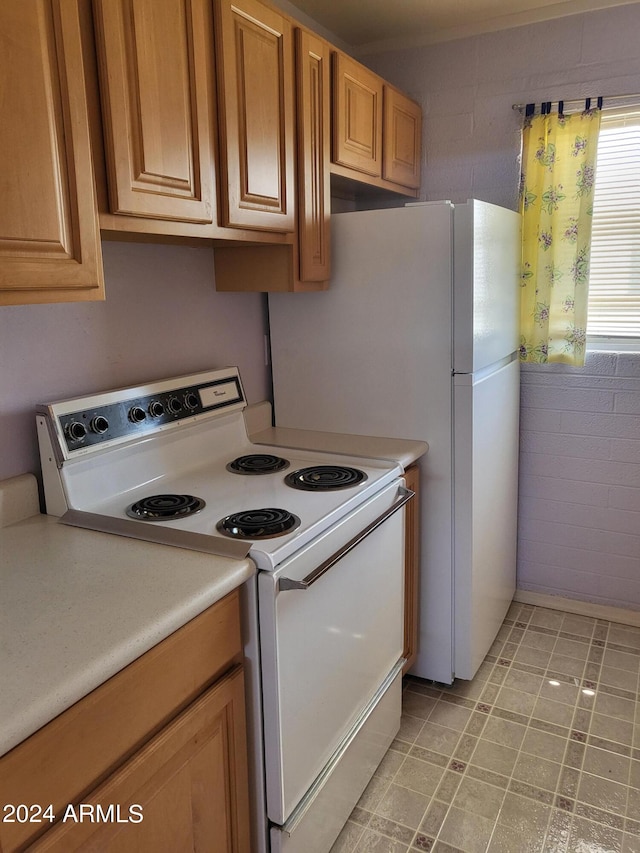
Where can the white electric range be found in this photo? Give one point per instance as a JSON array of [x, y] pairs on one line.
[[171, 462]]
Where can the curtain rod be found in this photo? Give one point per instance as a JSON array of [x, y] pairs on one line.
[[580, 101]]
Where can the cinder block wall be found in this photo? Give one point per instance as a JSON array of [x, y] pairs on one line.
[[579, 528]]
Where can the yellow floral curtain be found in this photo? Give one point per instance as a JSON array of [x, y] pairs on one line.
[[556, 202]]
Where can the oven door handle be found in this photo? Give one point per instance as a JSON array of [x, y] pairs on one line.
[[316, 574]]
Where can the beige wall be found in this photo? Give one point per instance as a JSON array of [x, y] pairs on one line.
[[162, 317]]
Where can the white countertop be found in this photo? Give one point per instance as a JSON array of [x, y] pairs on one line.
[[258, 417], [77, 606], [404, 451]]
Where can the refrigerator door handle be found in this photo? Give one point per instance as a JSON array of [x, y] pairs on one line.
[[316, 574]]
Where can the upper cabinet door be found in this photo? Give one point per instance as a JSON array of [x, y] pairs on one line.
[[156, 76], [254, 53], [314, 141], [357, 116], [49, 237], [402, 139]]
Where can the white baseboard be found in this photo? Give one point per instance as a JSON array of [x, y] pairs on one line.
[[582, 608]]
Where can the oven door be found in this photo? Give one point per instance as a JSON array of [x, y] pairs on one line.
[[331, 626]]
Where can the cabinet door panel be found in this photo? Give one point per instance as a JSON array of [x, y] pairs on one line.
[[357, 117], [189, 783], [314, 140], [156, 64], [254, 52], [402, 139], [412, 569], [49, 239]]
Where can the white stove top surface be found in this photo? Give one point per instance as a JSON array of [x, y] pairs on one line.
[[176, 437], [226, 492]]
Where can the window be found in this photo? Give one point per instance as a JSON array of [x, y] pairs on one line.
[[614, 282]]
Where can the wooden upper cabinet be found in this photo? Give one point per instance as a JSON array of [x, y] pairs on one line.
[[357, 116], [304, 264], [49, 237], [156, 79], [402, 139], [377, 131], [254, 70], [313, 81]]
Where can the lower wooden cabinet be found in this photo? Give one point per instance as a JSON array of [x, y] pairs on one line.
[[412, 568], [155, 759], [185, 790]]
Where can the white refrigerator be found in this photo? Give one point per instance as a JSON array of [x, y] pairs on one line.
[[417, 338]]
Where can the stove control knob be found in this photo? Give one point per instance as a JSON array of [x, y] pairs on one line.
[[99, 424], [137, 415], [156, 409], [191, 400], [75, 430], [174, 406]]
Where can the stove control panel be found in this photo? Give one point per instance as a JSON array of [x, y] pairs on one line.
[[116, 416]]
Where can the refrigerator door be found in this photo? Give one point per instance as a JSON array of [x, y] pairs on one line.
[[372, 356], [485, 298], [486, 412]]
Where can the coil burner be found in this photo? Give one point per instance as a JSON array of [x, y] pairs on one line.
[[325, 478], [258, 463], [258, 523], [165, 507]]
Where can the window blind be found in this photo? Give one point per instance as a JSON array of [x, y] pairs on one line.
[[614, 280]]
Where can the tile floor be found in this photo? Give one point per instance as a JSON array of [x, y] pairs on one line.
[[540, 752]]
